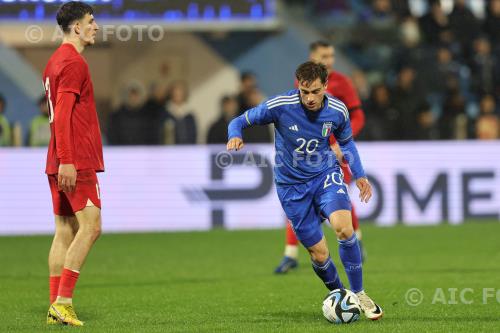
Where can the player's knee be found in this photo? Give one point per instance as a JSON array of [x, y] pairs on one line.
[[319, 255], [64, 231], [92, 229], [64, 234], [344, 232], [96, 231]]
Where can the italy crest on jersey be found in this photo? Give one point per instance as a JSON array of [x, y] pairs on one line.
[[327, 129]]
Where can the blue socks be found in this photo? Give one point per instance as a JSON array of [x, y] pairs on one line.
[[350, 255], [328, 273]]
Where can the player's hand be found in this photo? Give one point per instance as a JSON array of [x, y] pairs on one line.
[[365, 189], [66, 178], [235, 144]]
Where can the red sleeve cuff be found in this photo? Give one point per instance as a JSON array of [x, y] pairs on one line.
[[66, 161], [71, 90]]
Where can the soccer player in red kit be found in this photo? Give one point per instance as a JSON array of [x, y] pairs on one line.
[[341, 87], [74, 156]]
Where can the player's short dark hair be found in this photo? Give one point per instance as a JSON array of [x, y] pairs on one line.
[[70, 12], [247, 75], [227, 98], [311, 71], [317, 44]]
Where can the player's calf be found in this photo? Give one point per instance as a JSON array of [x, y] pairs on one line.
[[323, 265]]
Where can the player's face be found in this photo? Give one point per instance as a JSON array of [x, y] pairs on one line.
[[88, 29], [312, 94], [325, 56]]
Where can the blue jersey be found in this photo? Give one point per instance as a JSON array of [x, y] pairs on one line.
[[302, 136]]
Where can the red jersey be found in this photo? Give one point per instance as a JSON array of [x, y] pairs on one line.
[[341, 87], [74, 126]]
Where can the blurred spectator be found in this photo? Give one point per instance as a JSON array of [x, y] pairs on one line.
[[380, 13], [381, 116], [157, 99], [487, 126], [39, 134], [406, 99], [248, 82], [5, 130], [439, 71], [361, 84], [451, 122], [131, 124], [260, 133], [401, 8], [218, 130], [409, 52], [426, 128], [180, 116], [325, 6], [435, 25], [484, 68], [492, 23], [464, 25]]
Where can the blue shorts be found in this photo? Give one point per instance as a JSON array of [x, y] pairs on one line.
[[307, 204]]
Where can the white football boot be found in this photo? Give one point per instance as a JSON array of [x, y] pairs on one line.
[[372, 311]]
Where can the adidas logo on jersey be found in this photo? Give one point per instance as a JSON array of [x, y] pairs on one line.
[[294, 128], [341, 191]]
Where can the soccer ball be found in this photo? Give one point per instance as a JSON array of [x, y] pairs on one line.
[[341, 306]]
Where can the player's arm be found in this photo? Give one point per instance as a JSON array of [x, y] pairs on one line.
[[63, 133], [259, 115], [71, 79], [356, 116], [345, 140]]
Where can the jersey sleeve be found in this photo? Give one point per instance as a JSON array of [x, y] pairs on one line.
[[72, 78], [343, 131], [343, 134], [62, 127], [259, 115]]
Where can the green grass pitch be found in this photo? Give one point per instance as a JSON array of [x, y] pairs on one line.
[[222, 281]]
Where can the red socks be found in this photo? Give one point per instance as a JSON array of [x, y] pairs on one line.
[[53, 287], [68, 282], [291, 239]]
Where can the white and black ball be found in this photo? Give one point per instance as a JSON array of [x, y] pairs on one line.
[[341, 306]]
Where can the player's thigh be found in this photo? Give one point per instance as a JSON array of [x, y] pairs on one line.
[[60, 203], [298, 203], [86, 193], [66, 226], [332, 200], [89, 220]]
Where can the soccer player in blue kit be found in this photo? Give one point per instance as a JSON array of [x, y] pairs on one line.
[[308, 177]]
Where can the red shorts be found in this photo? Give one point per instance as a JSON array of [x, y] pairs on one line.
[[87, 188], [347, 172]]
